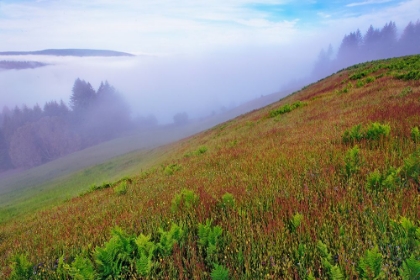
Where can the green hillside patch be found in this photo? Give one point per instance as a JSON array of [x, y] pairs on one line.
[[331, 191]]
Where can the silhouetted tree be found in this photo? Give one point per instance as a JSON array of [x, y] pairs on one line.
[[371, 44], [348, 53], [410, 38], [83, 96], [388, 40]]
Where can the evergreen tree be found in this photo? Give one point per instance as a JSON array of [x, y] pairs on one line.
[[83, 96]]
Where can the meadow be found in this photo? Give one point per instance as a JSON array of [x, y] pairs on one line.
[[323, 184]]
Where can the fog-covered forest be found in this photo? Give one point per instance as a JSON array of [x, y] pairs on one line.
[[374, 44], [32, 136]]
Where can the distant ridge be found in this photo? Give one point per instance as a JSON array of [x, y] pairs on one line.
[[69, 52]]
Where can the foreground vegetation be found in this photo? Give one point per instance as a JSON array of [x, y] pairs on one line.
[[323, 184]]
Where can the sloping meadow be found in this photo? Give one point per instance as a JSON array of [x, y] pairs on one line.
[[323, 184]]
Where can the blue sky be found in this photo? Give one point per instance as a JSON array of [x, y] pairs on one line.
[[166, 26]]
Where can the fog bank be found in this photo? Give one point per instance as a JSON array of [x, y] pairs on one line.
[[160, 85]]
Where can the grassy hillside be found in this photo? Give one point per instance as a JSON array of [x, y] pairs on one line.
[[323, 184]]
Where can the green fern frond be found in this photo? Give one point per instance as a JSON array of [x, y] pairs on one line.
[[371, 264], [144, 265], [323, 249], [410, 269], [169, 238], [203, 233], [116, 255], [336, 273], [219, 272], [82, 269], [296, 221]]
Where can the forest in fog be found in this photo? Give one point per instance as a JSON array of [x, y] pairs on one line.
[[33, 136], [374, 44]]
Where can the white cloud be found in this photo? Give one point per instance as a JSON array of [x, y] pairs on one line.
[[369, 2]]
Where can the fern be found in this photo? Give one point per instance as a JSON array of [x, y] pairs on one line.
[[209, 239], [21, 268], [295, 221], [146, 250], [116, 256], [370, 265], [410, 269], [334, 271], [81, 269], [168, 239], [336, 274], [144, 265], [219, 272]]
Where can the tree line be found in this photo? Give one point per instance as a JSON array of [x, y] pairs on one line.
[[33, 136], [374, 44]]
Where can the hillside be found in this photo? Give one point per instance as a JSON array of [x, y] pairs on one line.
[[69, 52], [323, 184]]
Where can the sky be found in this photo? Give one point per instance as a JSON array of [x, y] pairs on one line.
[[194, 56], [167, 26]]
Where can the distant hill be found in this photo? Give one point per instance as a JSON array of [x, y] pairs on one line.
[[69, 52]]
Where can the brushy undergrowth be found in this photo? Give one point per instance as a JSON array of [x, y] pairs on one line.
[[310, 196]]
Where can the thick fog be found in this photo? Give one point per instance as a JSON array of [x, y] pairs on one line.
[[162, 85]]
